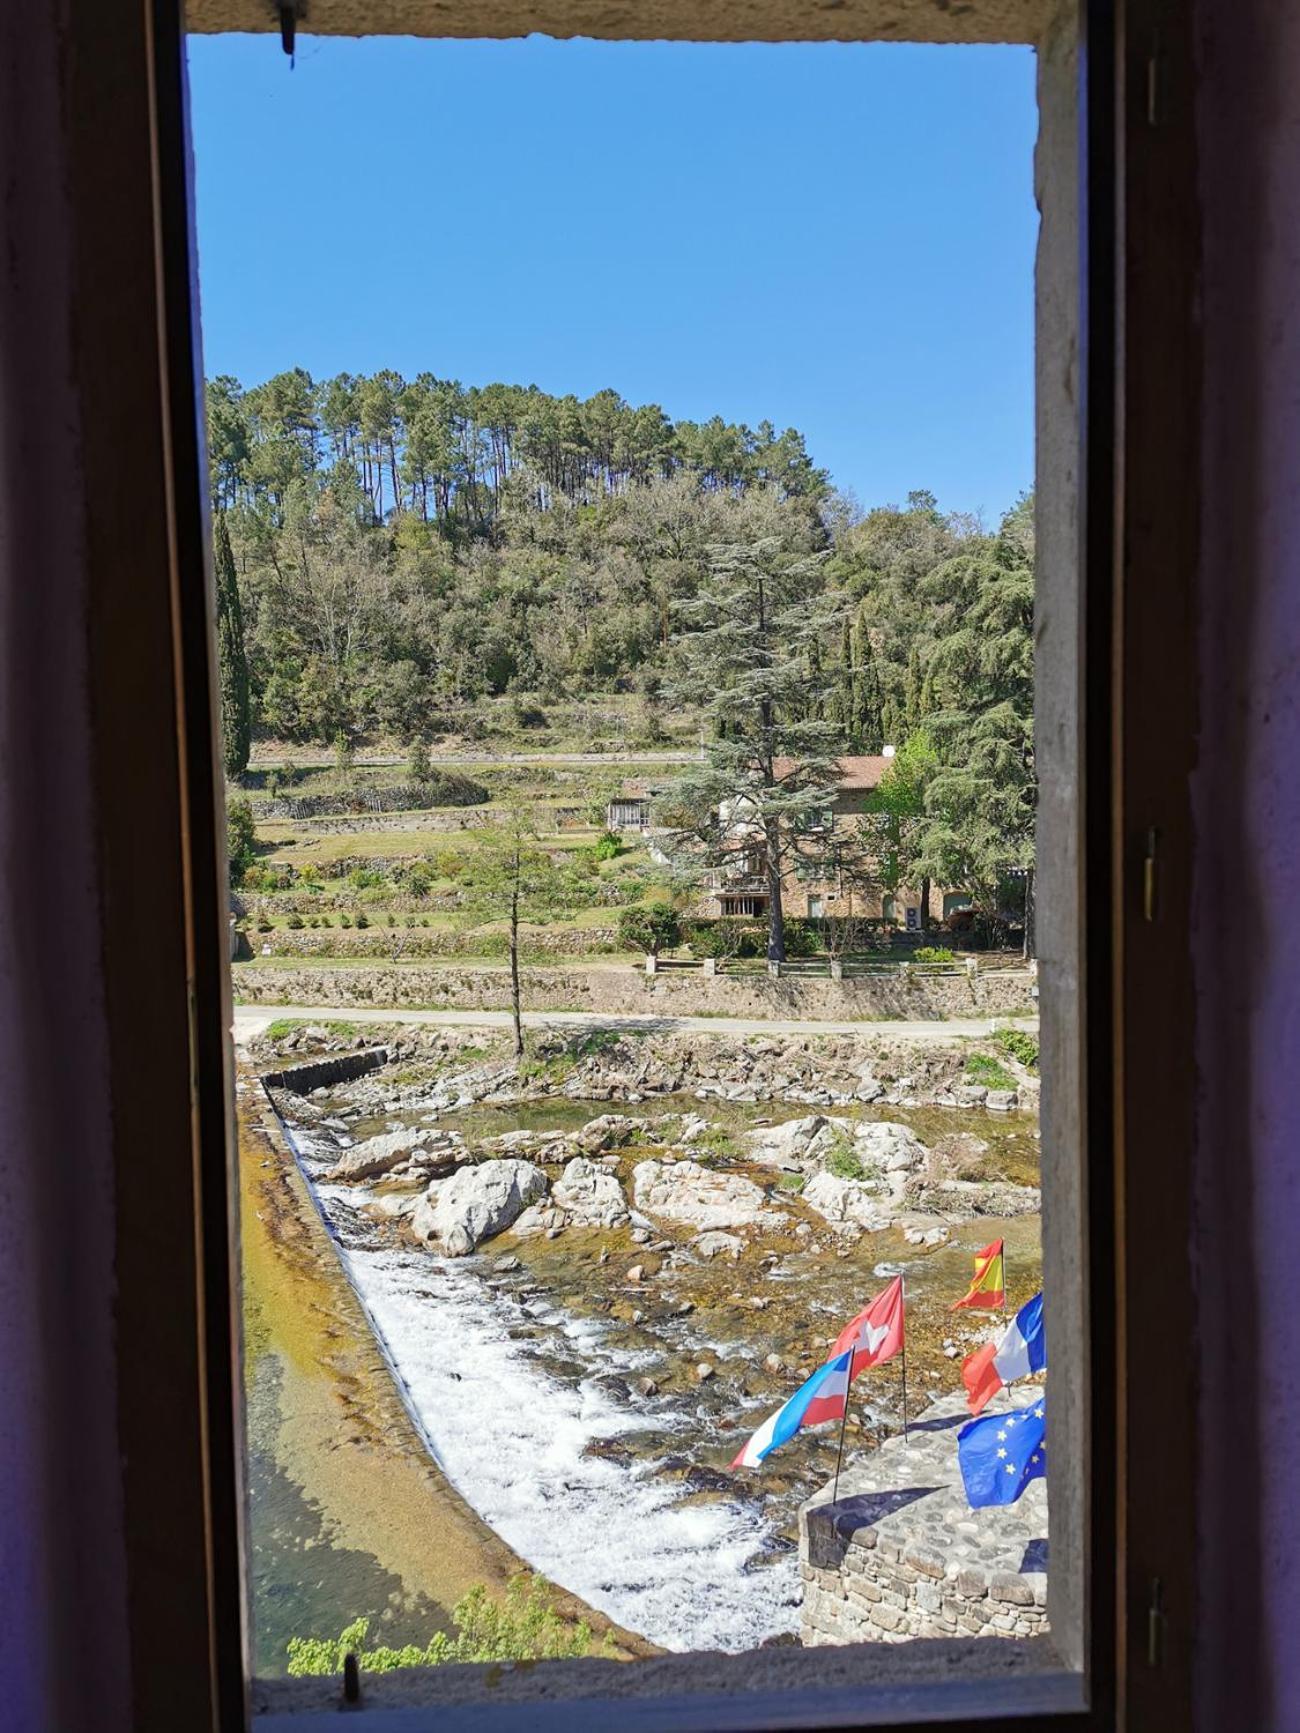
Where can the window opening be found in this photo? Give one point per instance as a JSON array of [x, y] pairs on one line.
[[521, 683]]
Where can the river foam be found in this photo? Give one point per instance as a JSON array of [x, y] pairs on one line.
[[512, 1439]]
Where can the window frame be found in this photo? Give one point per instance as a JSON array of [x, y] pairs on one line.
[[178, 1321]]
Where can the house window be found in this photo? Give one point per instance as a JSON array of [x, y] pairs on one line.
[[816, 908], [744, 904]]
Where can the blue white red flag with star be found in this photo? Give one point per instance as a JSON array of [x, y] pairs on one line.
[[1001, 1453]]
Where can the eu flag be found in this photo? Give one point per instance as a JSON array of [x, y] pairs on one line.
[[1000, 1454]]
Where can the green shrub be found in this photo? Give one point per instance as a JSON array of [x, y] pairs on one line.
[[1020, 1044], [651, 927], [803, 939], [728, 936], [932, 954], [419, 877], [241, 838], [365, 879], [980, 1068], [361, 919], [296, 922], [345, 920], [264, 926], [420, 766], [715, 1144], [842, 1158], [608, 846]]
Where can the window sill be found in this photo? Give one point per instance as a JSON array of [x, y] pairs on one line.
[[865, 1685]]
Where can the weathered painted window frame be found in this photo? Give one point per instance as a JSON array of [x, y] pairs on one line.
[[1117, 362]]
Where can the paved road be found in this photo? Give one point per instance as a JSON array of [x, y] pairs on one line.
[[250, 1020]]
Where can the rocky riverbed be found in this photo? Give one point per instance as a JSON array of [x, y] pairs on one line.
[[597, 1272]]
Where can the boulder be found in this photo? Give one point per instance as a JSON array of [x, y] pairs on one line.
[[539, 1218], [381, 1154], [893, 1149], [861, 1202], [718, 1244], [684, 1191], [785, 1145], [589, 1196], [457, 1214], [609, 1131]]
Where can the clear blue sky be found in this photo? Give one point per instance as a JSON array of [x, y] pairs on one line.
[[836, 238]]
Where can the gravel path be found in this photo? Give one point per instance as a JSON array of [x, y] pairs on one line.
[[251, 1020]]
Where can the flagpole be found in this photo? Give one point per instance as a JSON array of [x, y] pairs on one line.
[[902, 1295], [839, 1457]]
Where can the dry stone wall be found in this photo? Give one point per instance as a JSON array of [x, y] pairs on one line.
[[624, 991]]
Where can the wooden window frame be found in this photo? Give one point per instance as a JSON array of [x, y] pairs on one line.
[[158, 795]]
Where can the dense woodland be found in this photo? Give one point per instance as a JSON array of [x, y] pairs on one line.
[[399, 551]]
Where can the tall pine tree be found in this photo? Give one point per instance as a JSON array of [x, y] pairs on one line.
[[236, 709], [760, 798]]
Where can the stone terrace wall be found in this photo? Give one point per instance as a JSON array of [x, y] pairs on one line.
[[900, 1554], [628, 991]]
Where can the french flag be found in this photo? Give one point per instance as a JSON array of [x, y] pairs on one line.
[[821, 1398], [1021, 1349]]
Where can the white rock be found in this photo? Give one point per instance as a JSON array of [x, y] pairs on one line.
[[457, 1214], [718, 1244], [784, 1145], [892, 1148], [589, 1196], [686, 1192], [380, 1154], [847, 1200]]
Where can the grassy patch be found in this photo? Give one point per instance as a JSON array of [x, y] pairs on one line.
[[291, 1025], [980, 1068], [525, 1627], [1020, 1044], [791, 1182], [712, 1146]]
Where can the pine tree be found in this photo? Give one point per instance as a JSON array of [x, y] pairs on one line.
[[765, 787], [236, 710]]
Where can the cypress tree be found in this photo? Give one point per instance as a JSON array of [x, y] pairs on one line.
[[236, 711]]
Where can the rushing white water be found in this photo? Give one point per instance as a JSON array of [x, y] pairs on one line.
[[511, 1437]]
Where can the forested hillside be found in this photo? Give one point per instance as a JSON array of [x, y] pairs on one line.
[[400, 551]]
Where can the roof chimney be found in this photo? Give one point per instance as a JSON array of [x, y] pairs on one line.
[[887, 752]]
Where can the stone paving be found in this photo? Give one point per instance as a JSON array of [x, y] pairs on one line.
[[901, 1554]]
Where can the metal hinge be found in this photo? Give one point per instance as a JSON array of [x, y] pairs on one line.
[[1156, 1625], [1149, 869]]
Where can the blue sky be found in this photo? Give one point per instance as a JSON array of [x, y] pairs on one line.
[[835, 237]]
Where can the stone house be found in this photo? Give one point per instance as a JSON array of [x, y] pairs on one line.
[[740, 887]]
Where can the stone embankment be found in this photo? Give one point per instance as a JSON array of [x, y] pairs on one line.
[[900, 1553], [627, 991], [819, 1071]]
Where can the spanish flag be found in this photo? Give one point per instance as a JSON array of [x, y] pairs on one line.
[[989, 1289]]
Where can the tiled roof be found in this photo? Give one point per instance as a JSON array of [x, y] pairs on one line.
[[860, 772]]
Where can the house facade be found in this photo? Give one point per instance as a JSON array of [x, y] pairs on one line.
[[823, 891]]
